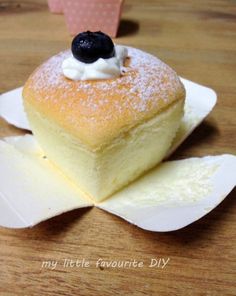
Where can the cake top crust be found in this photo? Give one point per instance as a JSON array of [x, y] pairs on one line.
[[98, 111]]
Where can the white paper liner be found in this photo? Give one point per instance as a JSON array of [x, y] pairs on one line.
[[175, 194], [32, 190], [199, 102], [12, 109]]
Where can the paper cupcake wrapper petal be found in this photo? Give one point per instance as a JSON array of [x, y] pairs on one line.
[[12, 109], [199, 102], [175, 194], [31, 189]]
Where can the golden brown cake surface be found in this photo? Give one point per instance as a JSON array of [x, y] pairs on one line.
[[98, 111]]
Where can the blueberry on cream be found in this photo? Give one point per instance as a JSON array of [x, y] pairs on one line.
[[94, 57], [88, 47]]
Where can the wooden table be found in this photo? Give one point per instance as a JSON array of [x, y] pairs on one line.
[[198, 39]]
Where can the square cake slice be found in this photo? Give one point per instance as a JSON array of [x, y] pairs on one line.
[[103, 134]]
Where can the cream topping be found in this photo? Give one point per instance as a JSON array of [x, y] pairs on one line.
[[100, 69]]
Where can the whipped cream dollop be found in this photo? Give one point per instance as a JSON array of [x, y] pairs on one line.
[[100, 69]]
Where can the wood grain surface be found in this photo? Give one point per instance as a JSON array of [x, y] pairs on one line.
[[198, 39]]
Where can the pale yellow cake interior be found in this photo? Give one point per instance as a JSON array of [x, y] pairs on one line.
[[104, 171]]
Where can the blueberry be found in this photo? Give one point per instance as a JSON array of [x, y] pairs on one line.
[[88, 47]]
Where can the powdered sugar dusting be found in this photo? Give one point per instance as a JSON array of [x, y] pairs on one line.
[[146, 86]]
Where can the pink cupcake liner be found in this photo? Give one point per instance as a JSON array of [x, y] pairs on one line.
[[55, 6], [93, 15]]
